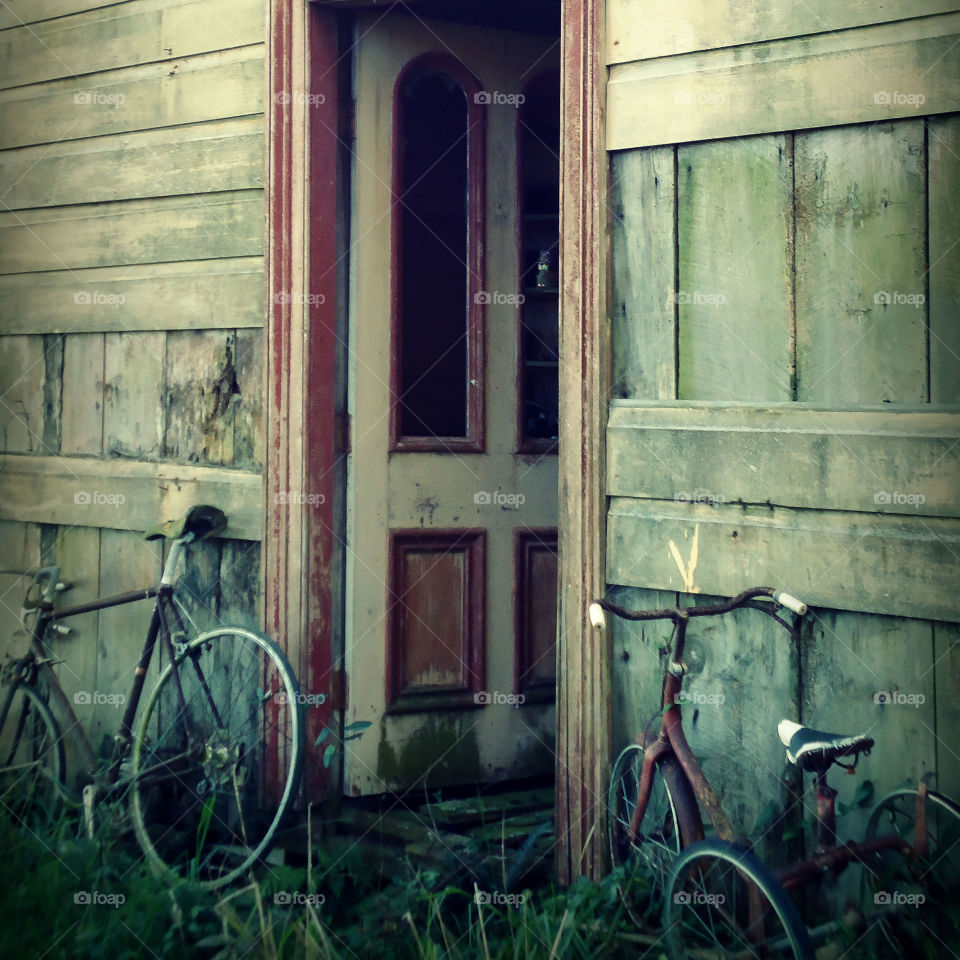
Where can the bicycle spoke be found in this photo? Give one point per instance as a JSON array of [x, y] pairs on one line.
[[227, 759]]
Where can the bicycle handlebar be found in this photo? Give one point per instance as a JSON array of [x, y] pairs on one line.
[[598, 620]]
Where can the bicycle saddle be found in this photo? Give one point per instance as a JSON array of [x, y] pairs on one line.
[[201, 520], [814, 750]]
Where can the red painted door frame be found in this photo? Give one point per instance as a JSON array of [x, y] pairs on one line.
[[302, 406]]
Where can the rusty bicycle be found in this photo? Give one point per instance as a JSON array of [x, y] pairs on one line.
[[715, 896], [211, 763]]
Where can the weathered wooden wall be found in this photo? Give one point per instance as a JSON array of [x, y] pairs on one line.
[[784, 327], [131, 307]]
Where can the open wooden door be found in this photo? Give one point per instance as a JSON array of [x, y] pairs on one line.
[[452, 492]]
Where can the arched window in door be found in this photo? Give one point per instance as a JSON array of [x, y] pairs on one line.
[[437, 365]]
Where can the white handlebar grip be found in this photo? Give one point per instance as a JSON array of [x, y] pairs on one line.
[[791, 603], [597, 619]]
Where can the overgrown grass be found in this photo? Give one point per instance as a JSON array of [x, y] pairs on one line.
[[67, 896]]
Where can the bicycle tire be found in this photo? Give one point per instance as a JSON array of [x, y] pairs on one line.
[[177, 798], [719, 865], [890, 880], [17, 792], [663, 830]]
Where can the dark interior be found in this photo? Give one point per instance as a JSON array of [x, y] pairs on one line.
[[433, 254]]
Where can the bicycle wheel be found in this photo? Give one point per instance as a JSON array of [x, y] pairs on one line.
[[913, 897], [32, 758], [212, 781], [723, 902], [647, 859]]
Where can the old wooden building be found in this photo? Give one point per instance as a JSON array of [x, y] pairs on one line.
[[467, 312]]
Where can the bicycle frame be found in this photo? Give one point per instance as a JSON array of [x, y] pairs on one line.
[[671, 741], [39, 659]]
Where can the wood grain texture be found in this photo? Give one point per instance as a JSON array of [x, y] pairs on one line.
[[43, 490], [583, 699], [848, 561], [78, 554], [17, 12], [848, 659], [946, 668], [745, 676], [735, 269], [209, 86], [248, 414], [194, 158], [125, 34], [643, 314], [865, 75], [943, 146], [798, 455], [202, 396], [637, 679], [861, 260], [20, 549], [240, 584], [133, 391], [228, 224], [126, 562], [640, 29], [82, 391], [22, 380], [183, 295]]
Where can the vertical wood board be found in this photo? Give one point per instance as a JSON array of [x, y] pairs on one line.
[[643, 325], [861, 263], [735, 269]]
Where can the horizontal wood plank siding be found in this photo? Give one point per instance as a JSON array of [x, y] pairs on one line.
[[132, 140], [211, 86], [183, 295], [219, 155], [15, 13], [643, 29], [210, 225], [793, 454], [867, 562], [126, 495], [792, 84], [141, 31]]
